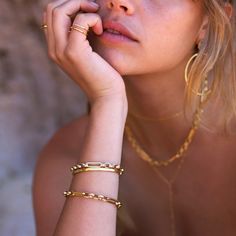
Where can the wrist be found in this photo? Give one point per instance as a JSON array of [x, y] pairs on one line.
[[111, 115], [112, 104]]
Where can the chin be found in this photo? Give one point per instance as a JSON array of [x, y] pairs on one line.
[[117, 59]]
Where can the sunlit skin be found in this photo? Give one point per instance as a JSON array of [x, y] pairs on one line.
[[167, 32], [152, 69], [153, 72]]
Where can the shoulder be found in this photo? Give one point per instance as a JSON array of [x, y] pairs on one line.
[[52, 174]]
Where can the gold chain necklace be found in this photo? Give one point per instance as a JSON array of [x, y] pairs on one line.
[[159, 119], [204, 95], [169, 182], [183, 148], [157, 164]]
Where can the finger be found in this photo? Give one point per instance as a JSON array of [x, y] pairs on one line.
[[86, 20], [78, 51], [50, 33], [62, 20]]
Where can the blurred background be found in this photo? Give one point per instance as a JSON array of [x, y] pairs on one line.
[[36, 99]]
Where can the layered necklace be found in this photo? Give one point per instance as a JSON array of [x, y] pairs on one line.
[[179, 155]]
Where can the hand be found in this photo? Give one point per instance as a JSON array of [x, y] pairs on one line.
[[73, 53]]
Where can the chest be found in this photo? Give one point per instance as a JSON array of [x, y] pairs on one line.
[[201, 200]]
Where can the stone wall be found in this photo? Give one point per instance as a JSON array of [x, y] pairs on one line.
[[36, 99]]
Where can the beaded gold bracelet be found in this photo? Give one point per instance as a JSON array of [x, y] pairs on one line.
[[92, 196], [96, 166]]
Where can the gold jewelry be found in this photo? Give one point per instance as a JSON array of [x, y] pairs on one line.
[[43, 26], [93, 196], [164, 118], [79, 28], [157, 164], [183, 148], [205, 91], [170, 184], [96, 166]]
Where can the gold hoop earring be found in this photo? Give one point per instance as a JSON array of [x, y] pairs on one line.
[[186, 67], [205, 90]]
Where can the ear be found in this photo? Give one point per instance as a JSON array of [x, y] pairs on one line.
[[203, 29], [228, 9]]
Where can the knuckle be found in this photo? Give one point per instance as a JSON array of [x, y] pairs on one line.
[[59, 55], [52, 56], [70, 53]]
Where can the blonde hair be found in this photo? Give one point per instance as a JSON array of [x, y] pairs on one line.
[[217, 60]]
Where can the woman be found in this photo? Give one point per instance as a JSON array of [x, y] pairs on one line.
[[160, 79]]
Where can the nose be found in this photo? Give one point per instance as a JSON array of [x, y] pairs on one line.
[[120, 5]]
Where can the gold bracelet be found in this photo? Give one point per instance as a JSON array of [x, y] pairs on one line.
[[93, 196], [96, 166]]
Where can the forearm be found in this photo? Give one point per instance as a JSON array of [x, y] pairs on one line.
[[103, 142]]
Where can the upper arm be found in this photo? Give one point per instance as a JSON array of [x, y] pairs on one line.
[[52, 175]]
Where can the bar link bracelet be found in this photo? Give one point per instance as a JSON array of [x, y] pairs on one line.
[[96, 166], [92, 196]]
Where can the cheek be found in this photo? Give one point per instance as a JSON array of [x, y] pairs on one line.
[[166, 38], [172, 35]]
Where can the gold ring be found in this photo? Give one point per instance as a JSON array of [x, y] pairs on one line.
[[43, 26], [79, 28]]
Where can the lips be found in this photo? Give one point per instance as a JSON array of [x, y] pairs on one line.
[[118, 28]]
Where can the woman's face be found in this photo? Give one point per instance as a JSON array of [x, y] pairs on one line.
[[166, 32]]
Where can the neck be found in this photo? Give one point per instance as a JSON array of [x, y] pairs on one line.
[[157, 96]]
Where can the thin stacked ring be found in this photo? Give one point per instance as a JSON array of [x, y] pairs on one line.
[[44, 26], [79, 28], [75, 27]]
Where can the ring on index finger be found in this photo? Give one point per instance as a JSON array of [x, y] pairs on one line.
[[79, 28], [43, 26]]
